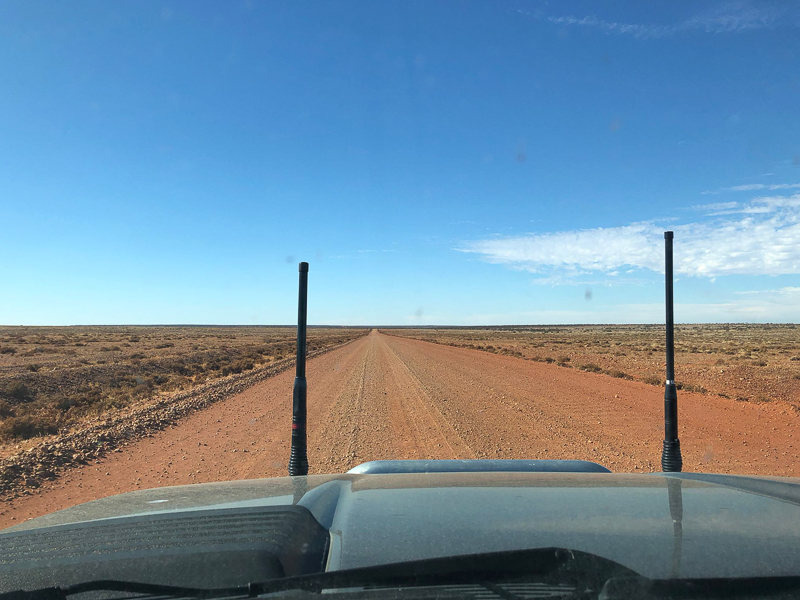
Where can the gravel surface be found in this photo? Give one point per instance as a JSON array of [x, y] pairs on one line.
[[383, 397]]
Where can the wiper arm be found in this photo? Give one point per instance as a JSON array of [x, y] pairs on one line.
[[559, 564]]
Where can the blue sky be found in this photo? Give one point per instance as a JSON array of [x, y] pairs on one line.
[[435, 162]]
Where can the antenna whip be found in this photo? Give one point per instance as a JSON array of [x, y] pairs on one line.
[[298, 459], [671, 460]]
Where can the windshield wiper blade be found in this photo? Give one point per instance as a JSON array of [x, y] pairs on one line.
[[593, 575], [729, 587], [557, 563], [133, 587]]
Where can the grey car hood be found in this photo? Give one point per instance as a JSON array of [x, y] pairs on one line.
[[688, 525]]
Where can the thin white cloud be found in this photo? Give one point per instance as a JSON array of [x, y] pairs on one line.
[[774, 306], [757, 206], [780, 295], [731, 17], [637, 30], [736, 17], [716, 206], [750, 187], [590, 279], [755, 187], [762, 239]]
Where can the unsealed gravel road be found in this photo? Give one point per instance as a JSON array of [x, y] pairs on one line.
[[384, 397]]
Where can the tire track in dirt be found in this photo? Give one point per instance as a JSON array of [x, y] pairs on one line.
[[414, 411], [381, 412], [341, 425], [500, 422]]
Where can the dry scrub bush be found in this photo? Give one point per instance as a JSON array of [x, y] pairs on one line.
[[619, 374], [38, 401]]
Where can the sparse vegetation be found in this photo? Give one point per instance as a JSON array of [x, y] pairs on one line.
[[66, 386]]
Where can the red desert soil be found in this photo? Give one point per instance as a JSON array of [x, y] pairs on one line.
[[383, 397]]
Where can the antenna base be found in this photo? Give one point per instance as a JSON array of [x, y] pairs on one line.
[[298, 463], [298, 459], [671, 461]]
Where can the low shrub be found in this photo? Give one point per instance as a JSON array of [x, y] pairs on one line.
[[18, 391], [28, 426], [619, 374], [690, 387], [6, 410]]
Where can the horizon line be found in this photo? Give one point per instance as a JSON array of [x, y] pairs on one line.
[[439, 326]]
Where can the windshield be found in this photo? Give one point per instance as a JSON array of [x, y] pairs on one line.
[[480, 193]]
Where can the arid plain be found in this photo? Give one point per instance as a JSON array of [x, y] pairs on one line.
[[190, 405]]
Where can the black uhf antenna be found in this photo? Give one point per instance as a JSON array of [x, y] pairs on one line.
[[298, 459], [671, 461]]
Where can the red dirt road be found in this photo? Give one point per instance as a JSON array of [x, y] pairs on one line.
[[383, 397]]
